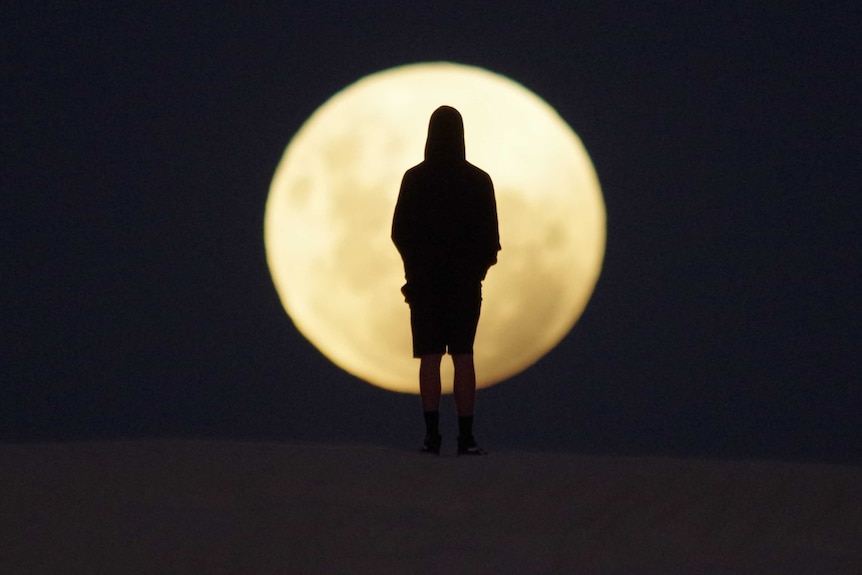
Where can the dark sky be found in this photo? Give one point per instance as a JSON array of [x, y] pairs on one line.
[[138, 147]]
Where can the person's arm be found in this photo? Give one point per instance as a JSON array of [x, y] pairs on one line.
[[401, 224], [409, 230], [490, 228]]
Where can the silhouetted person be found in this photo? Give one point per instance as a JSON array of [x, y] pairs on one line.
[[445, 228]]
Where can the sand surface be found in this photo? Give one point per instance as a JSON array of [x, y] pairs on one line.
[[228, 507]]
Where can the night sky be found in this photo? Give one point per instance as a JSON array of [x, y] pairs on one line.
[[138, 147]]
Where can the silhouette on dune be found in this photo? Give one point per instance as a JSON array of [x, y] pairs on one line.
[[445, 228]]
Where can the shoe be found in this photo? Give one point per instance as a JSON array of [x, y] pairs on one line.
[[431, 444], [467, 446]]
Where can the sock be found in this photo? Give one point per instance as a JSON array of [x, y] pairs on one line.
[[465, 426], [432, 422]]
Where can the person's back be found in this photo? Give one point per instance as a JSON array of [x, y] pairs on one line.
[[445, 228], [445, 223]]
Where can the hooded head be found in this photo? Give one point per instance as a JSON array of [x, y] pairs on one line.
[[445, 136]]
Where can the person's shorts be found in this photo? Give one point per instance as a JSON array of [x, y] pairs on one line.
[[444, 322]]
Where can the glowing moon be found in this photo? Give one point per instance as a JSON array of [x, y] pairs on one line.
[[330, 205]]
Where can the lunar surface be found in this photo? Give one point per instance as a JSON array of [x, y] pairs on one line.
[[329, 212]]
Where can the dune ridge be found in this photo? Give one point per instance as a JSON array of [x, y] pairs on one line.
[[191, 506]]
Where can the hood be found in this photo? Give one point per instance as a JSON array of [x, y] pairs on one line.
[[445, 136]]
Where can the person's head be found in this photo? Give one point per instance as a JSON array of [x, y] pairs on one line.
[[445, 136]]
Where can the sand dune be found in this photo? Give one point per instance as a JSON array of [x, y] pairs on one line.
[[226, 507]]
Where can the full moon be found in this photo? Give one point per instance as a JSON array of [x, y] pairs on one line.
[[329, 213]]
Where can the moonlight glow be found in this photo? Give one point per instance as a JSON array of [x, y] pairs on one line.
[[330, 206]]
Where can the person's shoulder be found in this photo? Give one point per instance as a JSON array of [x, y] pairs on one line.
[[478, 173], [414, 171]]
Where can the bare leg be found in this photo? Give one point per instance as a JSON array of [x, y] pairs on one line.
[[465, 384], [429, 381]]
